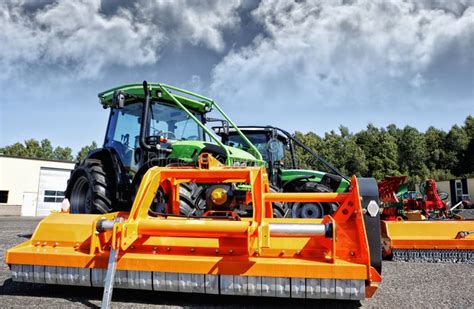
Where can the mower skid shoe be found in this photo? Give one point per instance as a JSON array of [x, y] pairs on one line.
[[195, 283]]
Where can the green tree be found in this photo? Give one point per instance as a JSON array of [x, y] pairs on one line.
[[46, 150], [33, 148], [412, 152], [380, 149], [313, 141], [467, 161], [17, 149], [435, 151], [344, 153], [456, 145], [81, 155], [63, 154]]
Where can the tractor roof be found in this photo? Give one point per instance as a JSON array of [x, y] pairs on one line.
[[252, 129], [196, 103]]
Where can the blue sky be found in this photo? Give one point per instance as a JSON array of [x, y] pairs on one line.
[[307, 66]]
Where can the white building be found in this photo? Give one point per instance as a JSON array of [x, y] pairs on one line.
[[457, 188], [32, 187]]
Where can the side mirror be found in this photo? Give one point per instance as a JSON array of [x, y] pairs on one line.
[[118, 99]]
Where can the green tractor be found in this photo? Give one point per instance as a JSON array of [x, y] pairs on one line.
[[278, 149], [150, 125]]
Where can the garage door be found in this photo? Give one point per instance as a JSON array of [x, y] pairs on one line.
[[52, 184]]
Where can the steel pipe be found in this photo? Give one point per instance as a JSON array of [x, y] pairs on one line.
[[306, 197], [297, 229]]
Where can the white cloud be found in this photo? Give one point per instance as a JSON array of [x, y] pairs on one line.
[[334, 53], [78, 40], [195, 22]]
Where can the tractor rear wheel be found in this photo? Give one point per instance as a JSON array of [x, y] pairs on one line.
[[88, 189], [312, 210], [279, 208]]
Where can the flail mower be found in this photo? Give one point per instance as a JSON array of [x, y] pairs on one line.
[[422, 228], [153, 245]]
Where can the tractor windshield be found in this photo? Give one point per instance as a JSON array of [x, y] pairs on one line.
[[173, 123], [165, 121], [274, 147]]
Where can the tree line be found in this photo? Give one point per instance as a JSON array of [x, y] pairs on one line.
[[390, 151], [373, 152], [43, 149]]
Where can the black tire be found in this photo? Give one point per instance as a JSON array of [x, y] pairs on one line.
[[279, 208], [312, 210], [89, 188], [190, 201]]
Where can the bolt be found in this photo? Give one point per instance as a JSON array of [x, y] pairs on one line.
[[298, 252], [38, 243], [45, 243], [256, 253], [168, 249], [231, 251], [352, 253], [192, 249], [217, 251], [282, 252], [55, 244]]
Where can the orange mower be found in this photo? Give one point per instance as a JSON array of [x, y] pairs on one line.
[[336, 257]]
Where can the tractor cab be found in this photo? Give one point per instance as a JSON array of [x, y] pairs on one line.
[[273, 145], [166, 124], [278, 149]]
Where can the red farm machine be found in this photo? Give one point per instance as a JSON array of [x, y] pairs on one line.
[[422, 227]]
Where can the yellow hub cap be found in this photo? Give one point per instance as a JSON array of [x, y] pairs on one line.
[[219, 196]]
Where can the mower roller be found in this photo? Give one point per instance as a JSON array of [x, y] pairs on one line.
[[422, 229], [336, 257]]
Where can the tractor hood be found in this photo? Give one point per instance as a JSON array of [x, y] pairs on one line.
[[340, 184], [189, 151]]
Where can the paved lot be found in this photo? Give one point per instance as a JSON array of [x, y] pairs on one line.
[[404, 285]]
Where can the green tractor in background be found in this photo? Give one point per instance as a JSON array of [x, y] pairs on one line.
[[278, 149], [150, 125]]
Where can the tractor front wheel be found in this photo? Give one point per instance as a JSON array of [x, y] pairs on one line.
[[88, 189], [313, 209]]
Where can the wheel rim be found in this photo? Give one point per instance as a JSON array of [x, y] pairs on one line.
[[307, 210], [81, 196]]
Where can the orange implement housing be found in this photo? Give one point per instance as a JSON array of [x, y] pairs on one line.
[[433, 241], [259, 255]]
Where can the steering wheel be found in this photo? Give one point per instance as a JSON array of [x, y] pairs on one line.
[[168, 134]]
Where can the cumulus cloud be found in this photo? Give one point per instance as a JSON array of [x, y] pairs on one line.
[[335, 53], [195, 22], [82, 40]]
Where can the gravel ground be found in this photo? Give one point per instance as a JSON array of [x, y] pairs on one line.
[[413, 285]]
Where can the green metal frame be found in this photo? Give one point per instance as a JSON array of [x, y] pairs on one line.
[[165, 88], [197, 102]]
